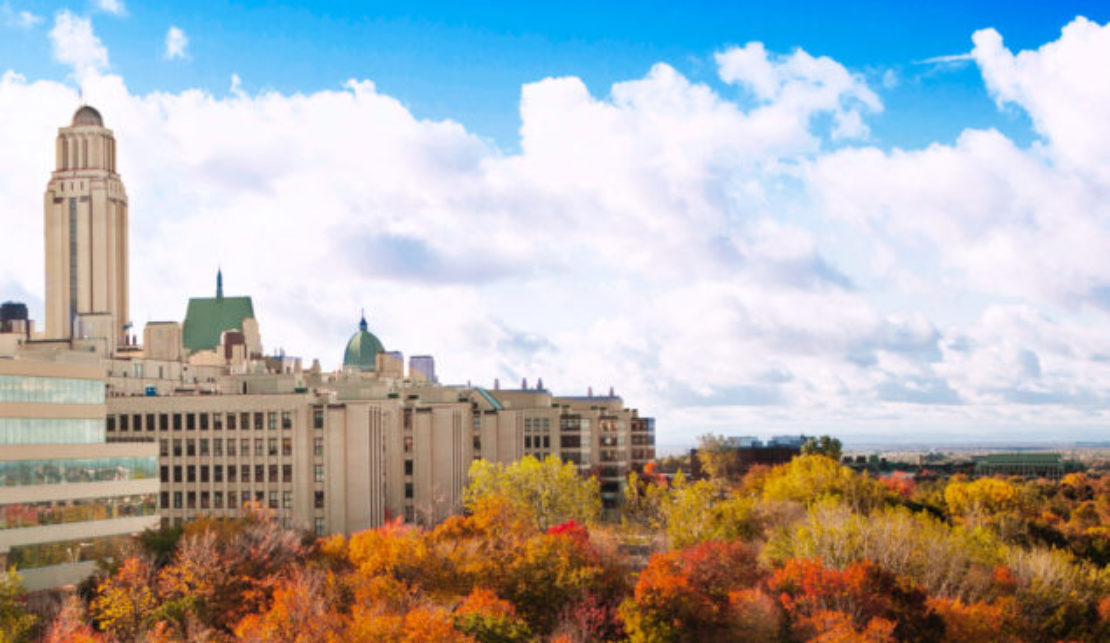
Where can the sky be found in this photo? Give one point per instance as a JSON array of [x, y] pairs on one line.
[[884, 221]]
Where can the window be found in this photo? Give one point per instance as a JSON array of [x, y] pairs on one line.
[[136, 422], [204, 500], [217, 421], [477, 444], [244, 421], [287, 446], [410, 515], [318, 472], [204, 473], [164, 500], [273, 500], [191, 473], [408, 467], [190, 422], [190, 447], [272, 446], [163, 422], [318, 526], [231, 471], [317, 417], [318, 500], [286, 420], [150, 422], [258, 420], [259, 497], [408, 444], [177, 473], [123, 422], [111, 423], [260, 473], [273, 473], [245, 498], [191, 500], [318, 447], [177, 500], [245, 473], [245, 446], [259, 446], [217, 473], [286, 499], [271, 421], [231, 446], [230, 421], [408, 490], [217, 447], [218, 500], [203, 421], [164, 448], [164, 473], [287, 473], [204, 446]]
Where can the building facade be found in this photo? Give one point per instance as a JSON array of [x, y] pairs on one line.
[[67, 496]]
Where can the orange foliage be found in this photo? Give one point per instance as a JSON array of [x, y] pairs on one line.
[[975, 622], [829, 626], [900, 483]]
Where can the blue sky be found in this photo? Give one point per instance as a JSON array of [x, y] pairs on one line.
[[882, 220]]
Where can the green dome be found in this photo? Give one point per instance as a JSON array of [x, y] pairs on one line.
[[362, 350]]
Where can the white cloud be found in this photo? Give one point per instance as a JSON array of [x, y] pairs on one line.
[[22, 19], [73, 43], [652, 238], [176, 42], [114, 7]]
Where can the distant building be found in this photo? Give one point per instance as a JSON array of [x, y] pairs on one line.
[[1032, 465]]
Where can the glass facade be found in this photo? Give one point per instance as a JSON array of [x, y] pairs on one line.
[[68, 551], [51, 431], [52, 390], [56, 512], [21, 473]]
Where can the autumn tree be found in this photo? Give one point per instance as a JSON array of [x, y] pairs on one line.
[[718, 459], [303, 610], [15, 620], [806, 479], [551, 491], [488, 619], [125, 602], [695, 512], [685, 595], [825, 445]]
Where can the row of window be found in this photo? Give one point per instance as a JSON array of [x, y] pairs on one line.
[[219, 447], [215, 473], [215, 499], [538, 442], [51, 431], [51, 390], [245, 420], [69, 551], [25, 473], [57, 512], [539, 424]]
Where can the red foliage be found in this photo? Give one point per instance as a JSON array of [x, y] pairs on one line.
[[900, 483], [574, 530]]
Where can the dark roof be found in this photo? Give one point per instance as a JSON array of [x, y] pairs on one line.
[[87, 116], [208, 317]]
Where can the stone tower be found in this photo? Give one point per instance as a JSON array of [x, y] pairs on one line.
[[86, 234]]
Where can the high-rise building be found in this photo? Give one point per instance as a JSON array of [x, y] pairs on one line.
[[86, 234]]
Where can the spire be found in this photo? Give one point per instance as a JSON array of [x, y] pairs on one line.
[[362, 322], [219, 283]]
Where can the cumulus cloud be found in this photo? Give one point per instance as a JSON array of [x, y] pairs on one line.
[[682, 245], [22, 18], [176, 42], [114, 7], [73, 43]]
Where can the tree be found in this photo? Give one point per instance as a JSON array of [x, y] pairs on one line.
[[825, 445], [125, 601], [551, 491], [719, 461], [489, 619], [807, 478], [696, 512], [15, 620]]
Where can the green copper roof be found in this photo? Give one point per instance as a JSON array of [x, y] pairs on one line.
[[362, 349], [208, 317]]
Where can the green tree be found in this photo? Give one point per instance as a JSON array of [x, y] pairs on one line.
[[550, 492], [15, 620], [825, 445]]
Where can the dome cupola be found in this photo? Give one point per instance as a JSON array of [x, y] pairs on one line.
[[362, 349]]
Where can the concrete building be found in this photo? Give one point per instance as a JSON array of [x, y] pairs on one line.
[[86, 234], [67, 496], [332, 452]]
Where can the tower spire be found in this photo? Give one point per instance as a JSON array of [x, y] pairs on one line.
[[362, 321], [219, 283]]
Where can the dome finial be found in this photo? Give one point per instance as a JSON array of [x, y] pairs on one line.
[[362, 321], [219, 283]]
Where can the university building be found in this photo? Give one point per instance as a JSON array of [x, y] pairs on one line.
[[331, 452]]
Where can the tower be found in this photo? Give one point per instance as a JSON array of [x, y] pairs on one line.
[[86, 232]]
